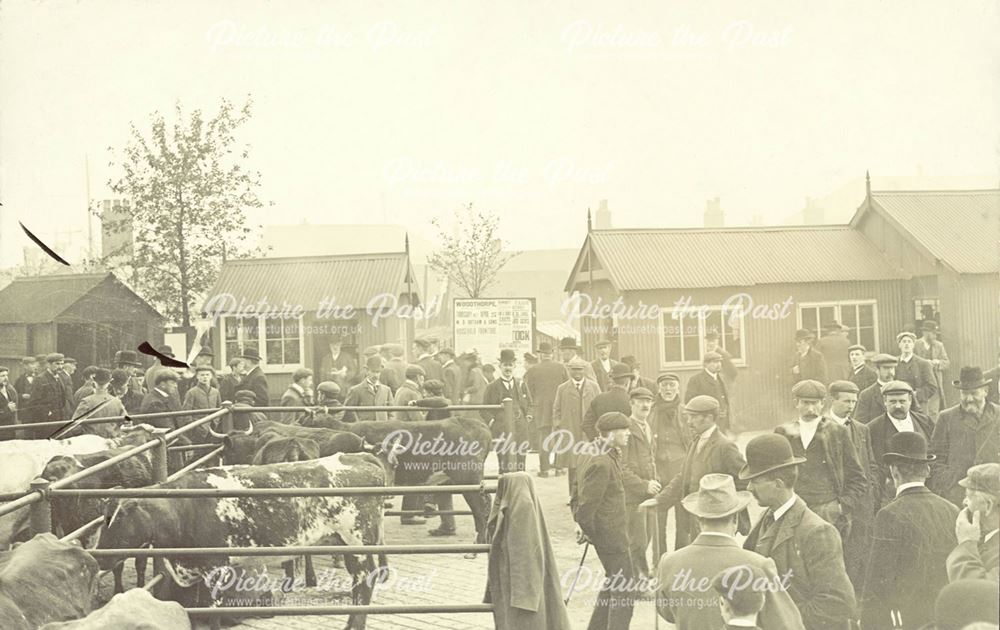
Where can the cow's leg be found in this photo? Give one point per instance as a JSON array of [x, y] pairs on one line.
[[361, 589], [140, 570], [289, 567], [479, 507], [117, 572], [310, 572]]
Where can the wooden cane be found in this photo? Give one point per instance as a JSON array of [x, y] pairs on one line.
[[572, 586]]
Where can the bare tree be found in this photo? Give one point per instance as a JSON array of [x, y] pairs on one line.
[[472, 254]]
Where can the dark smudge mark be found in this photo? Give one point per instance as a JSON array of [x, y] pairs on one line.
[[44, 247], [149, 350]]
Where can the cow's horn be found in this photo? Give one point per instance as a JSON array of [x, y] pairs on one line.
[[216, 434], [249, 430]]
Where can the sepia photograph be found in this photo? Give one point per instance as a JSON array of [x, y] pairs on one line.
[[526, 316]]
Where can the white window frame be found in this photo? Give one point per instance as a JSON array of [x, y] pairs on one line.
[[837, 314], [667, 313], [270, 368]]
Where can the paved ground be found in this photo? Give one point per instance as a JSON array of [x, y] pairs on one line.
[[454, 579]]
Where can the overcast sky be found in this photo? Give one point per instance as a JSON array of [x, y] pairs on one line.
[[369, 112]]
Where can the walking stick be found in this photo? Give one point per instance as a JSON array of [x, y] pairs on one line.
[[572, 586]]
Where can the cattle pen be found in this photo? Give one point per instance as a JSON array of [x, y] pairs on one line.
[[38, 501]]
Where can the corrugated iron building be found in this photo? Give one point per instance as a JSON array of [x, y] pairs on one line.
[[349, 296], [85, 316], [873, 276]]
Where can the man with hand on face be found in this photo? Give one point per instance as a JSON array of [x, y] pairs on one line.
[[977, 555], [898, 400], [831, 481], [861, 375], [639, 473], [870, 402], [966, 434]]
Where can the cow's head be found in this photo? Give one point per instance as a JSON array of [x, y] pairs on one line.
[[286, 449], [388, 453], [240, 446], [127, 524]]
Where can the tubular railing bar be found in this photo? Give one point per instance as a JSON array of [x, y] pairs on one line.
[[341, 610], [238, 552], [136, 419], [151, 584], [428, 513], [198, 462], [232, 493], [339, 408], [192, 447], [37, 496], [80, 531]]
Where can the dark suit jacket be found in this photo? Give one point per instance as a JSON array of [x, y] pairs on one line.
[[960, 441], [804, 544], [993, 390], [975, 561], [432, 368], [864, 377], [812, 366], [919, 373], [703, 559], [881, 429], [599, 505], [639, 464], [672, 438], [834, 351], [600, 375], [23, 387], [256, 382], [156, 401], [718, 455], [702, 384], [859, 540], [870, 404], [452, 383], [7, 416], [48, 398], [616, 399], [913, 536], [495, 393], [849, 481], [542, 380]]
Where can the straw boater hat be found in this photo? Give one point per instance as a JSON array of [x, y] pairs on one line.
[[717, 497]]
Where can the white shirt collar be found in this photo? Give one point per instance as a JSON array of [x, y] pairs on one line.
[[910, 484], [907, 359], [707, 433], [606, 364], [743, 622], [714, 376], [906, 424], [787, 505], [841, 421], [991, 535]]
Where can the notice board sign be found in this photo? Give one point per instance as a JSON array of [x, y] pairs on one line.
[[489, 325]]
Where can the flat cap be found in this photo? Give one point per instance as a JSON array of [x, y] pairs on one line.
[[612, 420], [413, 371], [809, 390], [204, 368], [885, 359], [371, 351], [620, 370], [843, 387], [245, 396], [904, 335], [897, 387], [711, 356], [667, 376], [576, 363], [27, 360], [984, 478], [630, 361], [165, 375], [857, 346], [4, 368], [70, 360], [445, 350], [54, 357], [300, 374], [602, 343], [965, 602], [641, 392], [702, 404], [328, 389]]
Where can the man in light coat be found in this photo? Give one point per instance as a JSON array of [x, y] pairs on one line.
[[369, 393], [916, 371], [572, 400], [929, 347], [298, 394]]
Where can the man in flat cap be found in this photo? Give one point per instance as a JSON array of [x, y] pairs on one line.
[[898, 400], [977, 555], [684, 597], [542, 381], [919, 373], [802, 545], [48, 396], [831, 481], [861, 374], [929, 347], [710, 452], [712, 344], [809, 364], [616, 398], [203, 394], [843, 396], [599, 509], [572, 400], [870, 403], [99, 404], [411, 390], [161, 398], [913, 535], [708, 382], [965, 435], [673, 439], [603, 364], [569, 349], [298, 394], [639, 473]]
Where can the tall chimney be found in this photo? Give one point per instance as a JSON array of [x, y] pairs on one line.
[[714, 217], [603, 216]]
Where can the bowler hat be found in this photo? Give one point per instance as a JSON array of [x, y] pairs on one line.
[[371, 351], [422, 343], [885, 359], [612, 420], [711, 357], [300, 374], [717, 497], [603, 343], [630, 361], [166, 351], [667, 376], [965, 602], [128, 357], [971, 377], [983, 478], [930, 324], [545, 348], [205, 351], [620, 370], [904, 335], [702, 404], [413, 371], [897, 387], [641, 392], [507, 356], [803, 334], [907, 447], [250, 353], [245, 396], [54, 357], [809, 390], [766, 453], [568, 343]]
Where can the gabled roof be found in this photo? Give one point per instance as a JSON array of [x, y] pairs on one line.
[[637, 260], [961, 228], [349, 280], [42, 299]]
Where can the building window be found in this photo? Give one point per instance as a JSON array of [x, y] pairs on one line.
[[683, 338], [279, 341], [926, 309], [860, 317]]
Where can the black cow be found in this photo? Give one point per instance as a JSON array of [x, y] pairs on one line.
[[245, 447], [259, 521], [451, 451]]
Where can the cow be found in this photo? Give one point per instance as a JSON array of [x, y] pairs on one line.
[[260, 521], [451, 451], [244, 447], [71, 513], [22, 461]]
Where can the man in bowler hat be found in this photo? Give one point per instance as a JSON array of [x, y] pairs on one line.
[[511, 442]]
